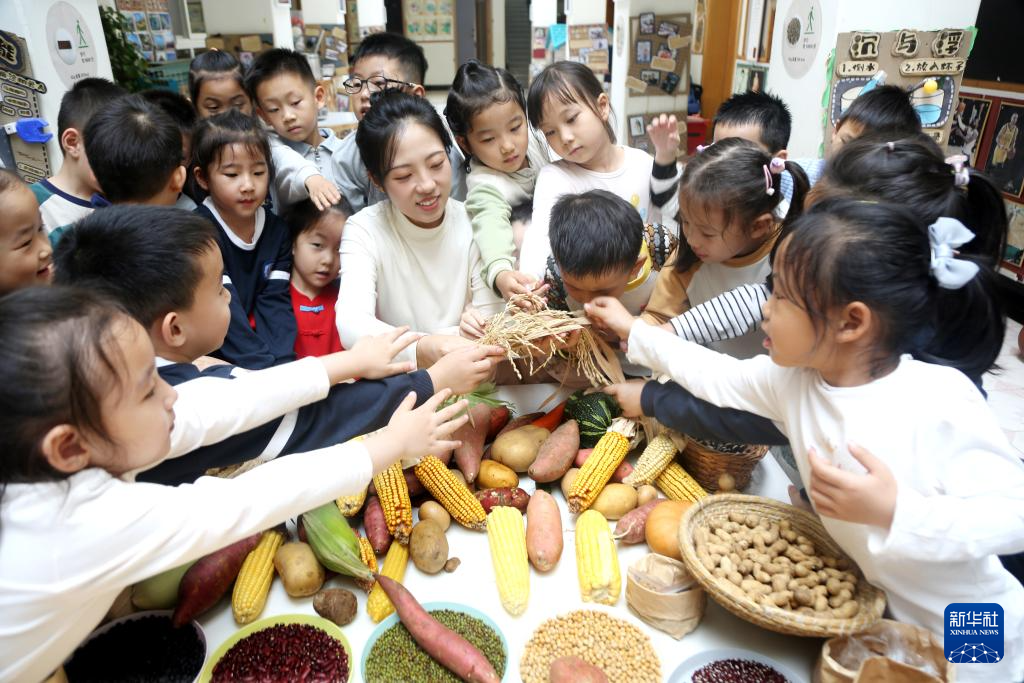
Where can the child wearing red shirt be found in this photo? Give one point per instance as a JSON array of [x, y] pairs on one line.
[[316, 237]]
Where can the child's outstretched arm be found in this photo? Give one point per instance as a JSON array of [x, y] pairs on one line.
[[663, 132], [727, 316], [296, 178], [272, 311]]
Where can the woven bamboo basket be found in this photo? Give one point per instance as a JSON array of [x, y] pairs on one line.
[[871, 599], [706, 464]]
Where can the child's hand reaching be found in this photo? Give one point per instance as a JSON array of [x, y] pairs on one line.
[[471, 325], [512, 282], [858, 498], [466, 368], [412, 434], [628, 396], [322, 191], [663, 132], [609, 314], [371, 357]]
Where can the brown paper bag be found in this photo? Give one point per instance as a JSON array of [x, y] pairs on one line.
[[886, 639], [663, 593]]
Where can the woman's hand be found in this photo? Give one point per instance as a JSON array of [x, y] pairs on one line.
[[868, 498], [511, 283], [433, 347], [472, 323], [466, 368]]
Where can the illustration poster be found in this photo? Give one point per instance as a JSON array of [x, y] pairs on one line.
[[429, 20]]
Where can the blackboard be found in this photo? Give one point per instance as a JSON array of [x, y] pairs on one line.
[[995, 56]]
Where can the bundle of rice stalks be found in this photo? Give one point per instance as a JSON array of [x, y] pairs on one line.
[[530, 331]]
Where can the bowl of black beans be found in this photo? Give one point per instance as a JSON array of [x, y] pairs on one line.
[[144, 646]]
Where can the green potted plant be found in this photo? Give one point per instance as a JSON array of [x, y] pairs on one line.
[[125, 61]]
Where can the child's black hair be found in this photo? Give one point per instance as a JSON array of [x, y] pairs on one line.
[[913, 172], [134, 147], [9, 180], [476, 87], [380, 130], [595, 233], [145, 258], [175, 105], [729, 177], [884, 113], [568, 82], [845, 250], [768, 112], [211, 135], [397, 47], [212, 64], [302, 216], [85, 98], [275, 62], [54, 338]]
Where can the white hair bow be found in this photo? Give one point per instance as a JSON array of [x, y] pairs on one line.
[[945, 235]]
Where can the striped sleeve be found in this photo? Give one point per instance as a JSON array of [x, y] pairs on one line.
[[727, 316], [664, 181]]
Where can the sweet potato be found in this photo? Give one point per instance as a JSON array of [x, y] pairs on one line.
[[630, 528], [376, 527], [499, 418], [445, 646], [575, 670], [492, 498], [543, 531], [209, 579], [518, 422], [620, 473], [472, 435], [555, 456]]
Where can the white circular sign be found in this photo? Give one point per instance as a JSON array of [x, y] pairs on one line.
[[801, 36], [71, 44]]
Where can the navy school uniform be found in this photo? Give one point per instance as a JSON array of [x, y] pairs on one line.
[[349, 410], [258, 275]]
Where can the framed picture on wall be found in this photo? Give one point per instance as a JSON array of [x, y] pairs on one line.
[[647, 23], [643, 52], [968, 128], [1004, 163], [636, 126]]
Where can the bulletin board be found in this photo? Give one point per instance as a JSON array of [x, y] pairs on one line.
[[588, 44], [19, 98], [429, 20], [659, 55], [150, 29], [908, 57], [636, 128]]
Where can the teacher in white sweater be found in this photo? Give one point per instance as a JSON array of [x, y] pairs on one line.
[[410, 260]]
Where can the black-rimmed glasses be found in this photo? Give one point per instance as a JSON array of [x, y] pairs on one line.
[[376, 84]]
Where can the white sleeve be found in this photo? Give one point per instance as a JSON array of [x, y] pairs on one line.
[[356, 309], [149, 528], [210, 409], [981, 508], [752, 385], [482, 296], [291, 171], [536, 247], [727, 316]]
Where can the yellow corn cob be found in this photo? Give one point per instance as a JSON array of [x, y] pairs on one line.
[[378, 605], [351, 505], [507, 538], [394, 500], [253, 583], [608, 454], [677, 484], [652, 461], [597, 562], [451, 493], [368, 557]]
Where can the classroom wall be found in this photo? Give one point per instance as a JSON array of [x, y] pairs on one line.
[[804, 95]]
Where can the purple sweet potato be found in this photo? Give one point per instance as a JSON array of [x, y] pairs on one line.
[[376, 526], [556, 454], [209, 579], [630, 527], [472, 435], [492, 498]]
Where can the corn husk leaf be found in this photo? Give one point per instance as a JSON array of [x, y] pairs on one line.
[[333, 541]]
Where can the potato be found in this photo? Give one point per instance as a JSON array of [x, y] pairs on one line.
[[517, 449], [645, 494], [567, 481], [428, 547], [435, 512], [336, 604], [492, 498], [299, 569], [615, 500], [494, 475]]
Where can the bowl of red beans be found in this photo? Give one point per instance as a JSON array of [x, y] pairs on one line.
[[732, 665]]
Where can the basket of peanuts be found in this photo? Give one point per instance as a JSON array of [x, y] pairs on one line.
[[774, 565]]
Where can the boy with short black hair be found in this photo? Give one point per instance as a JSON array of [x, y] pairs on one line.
[[72, 193], [135, 149], [756, 116], [184, 114], [883, 113], [163, 266]]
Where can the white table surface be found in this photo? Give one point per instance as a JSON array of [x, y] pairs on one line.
[[551, 594]]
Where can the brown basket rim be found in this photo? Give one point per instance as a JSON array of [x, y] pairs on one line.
[[697, 447], [871, 598]]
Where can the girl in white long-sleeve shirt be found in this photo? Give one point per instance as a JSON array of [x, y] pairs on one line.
[[410, 259], [903, 459], [81, 405]]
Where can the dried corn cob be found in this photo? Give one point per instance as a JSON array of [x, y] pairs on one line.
[[394, 500], [351, 505], [369, 559], [600, 465], [597, 561], [378, 605], [253, 583], [507, 538], [652, 461], [451, 493], [677, 484]]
